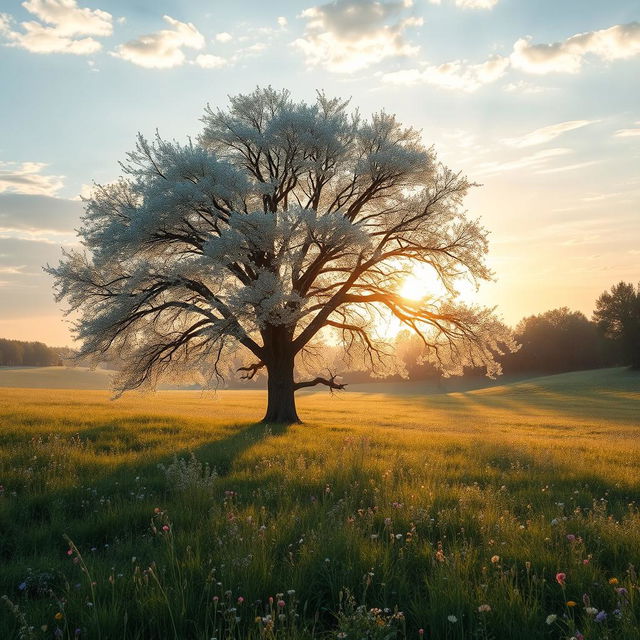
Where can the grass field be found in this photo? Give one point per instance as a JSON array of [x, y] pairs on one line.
[[481, 514]]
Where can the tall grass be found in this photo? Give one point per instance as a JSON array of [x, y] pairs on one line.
[[509, 512]]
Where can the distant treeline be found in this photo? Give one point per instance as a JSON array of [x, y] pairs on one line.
[[15, 353], [562, 340]]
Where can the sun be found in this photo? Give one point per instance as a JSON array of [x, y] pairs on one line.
[[422, 283]]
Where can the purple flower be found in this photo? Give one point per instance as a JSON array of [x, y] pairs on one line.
[[601, 617], [22, 586]]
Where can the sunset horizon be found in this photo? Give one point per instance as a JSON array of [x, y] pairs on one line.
[[542, 113]]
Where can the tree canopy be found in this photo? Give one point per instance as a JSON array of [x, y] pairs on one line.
[[618, 316], [283, 224]]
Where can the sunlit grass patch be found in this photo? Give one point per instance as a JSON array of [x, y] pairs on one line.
[[448, 513]]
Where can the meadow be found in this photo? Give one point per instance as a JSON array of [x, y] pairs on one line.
[[505, 512]]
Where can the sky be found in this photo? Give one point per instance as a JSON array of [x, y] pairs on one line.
[[537, 101]]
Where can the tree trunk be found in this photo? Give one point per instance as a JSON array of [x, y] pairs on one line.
[[281, 403]]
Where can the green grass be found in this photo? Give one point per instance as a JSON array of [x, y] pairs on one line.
[[429, 505]]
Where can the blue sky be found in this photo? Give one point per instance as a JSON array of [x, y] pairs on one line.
[[538, 101]]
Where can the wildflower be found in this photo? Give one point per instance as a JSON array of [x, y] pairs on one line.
[[341, 635], [552, 618], [291, 592], [240, 599], [601, 617], [613, 581], [22, 586], [554, 522], [281, 603], [586, 601], [258, 619], [452, 619], [585, 561], [571, 603], [69, 552], [591, 611], [165, 528], [484, 608], [495, 559], [387, 522], [59, 616], [621, 591], [571, 537], [421, 632], [215, 598], [560, 578]]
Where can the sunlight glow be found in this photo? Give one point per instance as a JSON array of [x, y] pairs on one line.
[[423, 283]]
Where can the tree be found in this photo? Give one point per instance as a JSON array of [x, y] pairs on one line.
[[617, 313], [284, 222], [555, 341]]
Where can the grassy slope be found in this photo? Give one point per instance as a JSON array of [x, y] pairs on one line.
[[320, 506], [55, 378]]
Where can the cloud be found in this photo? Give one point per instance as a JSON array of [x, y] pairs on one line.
[[534, 160], [476, 4], [38, 213], [628, 133], [619, 41], [471, 4], [457, 75], [224, 37], [26, 178], [162, 49], [347, 35], [66, 22], [545, 134], [282, 22], [209, 61]]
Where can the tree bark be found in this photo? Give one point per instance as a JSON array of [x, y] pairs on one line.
[[281, 403], [279, 356]]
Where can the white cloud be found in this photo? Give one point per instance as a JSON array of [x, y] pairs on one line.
[[224, 37], [628, 133], [535, 160], [476, 4], [208, 61], [282, 21], [348, 35], [545, 134], [458, 74], [522, 86], [471, 4], [35, 214], [61, 22], [568, 167], [619, 41], [27, 178], [162, 49]]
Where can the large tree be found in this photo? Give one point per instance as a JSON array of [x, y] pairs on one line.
[[617, 313], [284, 222]]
